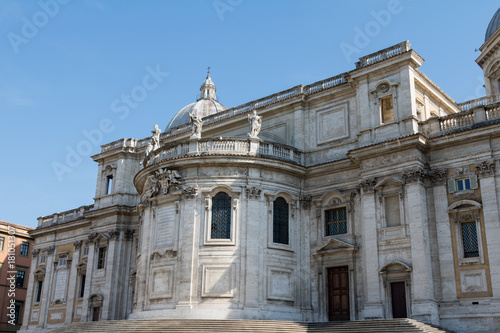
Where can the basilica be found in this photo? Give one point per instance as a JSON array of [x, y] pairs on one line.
[[370, 194]]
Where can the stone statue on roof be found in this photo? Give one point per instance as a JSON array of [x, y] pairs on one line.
[[255, 124]]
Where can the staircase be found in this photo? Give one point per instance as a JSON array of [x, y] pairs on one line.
[[264, 326]]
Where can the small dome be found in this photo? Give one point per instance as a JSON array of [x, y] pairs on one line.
[[206, 105], [493, 26], [203, 107]]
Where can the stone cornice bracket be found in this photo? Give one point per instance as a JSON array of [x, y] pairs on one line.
[[438, 176], [93, 236], [305, 202], [129, 234], [77, 244], [114, 234], [416, 175], [35, 252], [253, 192], [486, 168], [367, 185], [190, 192], [51, 249]]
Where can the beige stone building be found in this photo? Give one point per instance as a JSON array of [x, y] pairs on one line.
[[371, 194]]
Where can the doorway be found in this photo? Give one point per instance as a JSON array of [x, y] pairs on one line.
[[338, 293], [398, 297]]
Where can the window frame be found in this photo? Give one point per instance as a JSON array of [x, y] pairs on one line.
[[102, 248], [325, 223], [24, 246], [2, 242], [24, 275], [285, 222], [234, 197], [270, 199], [381, 100]]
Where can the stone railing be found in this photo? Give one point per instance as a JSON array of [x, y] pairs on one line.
[[124, 143], [383, 54], [268, 100], [457, 120], [67, 216], [487, 100], [225, 146], [476, 114]]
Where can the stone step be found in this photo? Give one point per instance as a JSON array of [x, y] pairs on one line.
[[230, 326]]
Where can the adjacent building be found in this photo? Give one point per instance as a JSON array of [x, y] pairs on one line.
[[15, 259], [371, 194]]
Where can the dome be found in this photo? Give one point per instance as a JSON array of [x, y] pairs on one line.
[[493, 26], [206, 105]]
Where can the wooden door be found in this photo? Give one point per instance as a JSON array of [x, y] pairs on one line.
[[338, 293], [95, 313], [398, 295]]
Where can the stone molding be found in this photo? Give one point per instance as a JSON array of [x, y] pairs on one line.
[[93, 236], [51, 249], [35, 252], [160, 182], [486, 168], [416, 175]]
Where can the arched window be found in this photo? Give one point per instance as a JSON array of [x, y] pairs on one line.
[[221, 216], [280, 221]]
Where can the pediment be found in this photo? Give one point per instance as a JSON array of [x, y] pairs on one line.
[[334, 245], [389, 181]]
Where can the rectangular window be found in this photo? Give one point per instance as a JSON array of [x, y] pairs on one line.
[[336, 221], [392, 212], [82, 285], [280, 221], [101, 258], [387, 109], [464, 184], [469, 240], [20, 278], [2, 241], [43, 259], [85, 251], [25, 246], [109, 184], [38, 297], [17, 312]]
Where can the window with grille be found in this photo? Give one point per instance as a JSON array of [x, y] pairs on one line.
[[336, 221], [221, 216], [280, 221], [469, 240], [101, 258], [20, 278], [25, 246]]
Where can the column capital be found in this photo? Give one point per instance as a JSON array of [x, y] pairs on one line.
[[486, 168], [415, 175], [438, 176], [77, 244], [367, 185]]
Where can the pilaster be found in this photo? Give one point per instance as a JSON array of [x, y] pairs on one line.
[[424, 305], [73, 277], [45, 301], [373, 305], [491, 215]]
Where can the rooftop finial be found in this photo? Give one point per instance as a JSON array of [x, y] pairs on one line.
[[208, 71]]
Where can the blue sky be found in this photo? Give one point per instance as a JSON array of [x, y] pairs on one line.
[[66, 67]]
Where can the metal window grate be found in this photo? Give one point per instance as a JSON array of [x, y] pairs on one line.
[[221, 216], [280, 221], [469, 239], [336, 221]]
